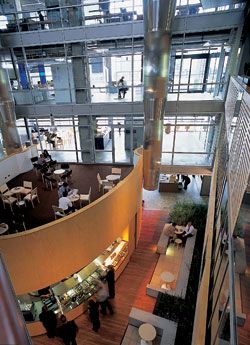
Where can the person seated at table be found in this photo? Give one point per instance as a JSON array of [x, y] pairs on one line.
[[188, 232], [63, 188], [46, 154], [65, 203], [41, 160], [170, 231]]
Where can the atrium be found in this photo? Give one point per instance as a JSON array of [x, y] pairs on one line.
[[138, 110]]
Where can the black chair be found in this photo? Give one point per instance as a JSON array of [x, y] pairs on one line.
[[49, 181], [18, 222], [65, 166], [67, 175]]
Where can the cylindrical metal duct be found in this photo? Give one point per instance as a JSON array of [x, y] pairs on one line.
[[158, 16], [12, 325], [11, 139]]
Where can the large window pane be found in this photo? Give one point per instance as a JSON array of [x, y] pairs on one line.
[[192, 159]]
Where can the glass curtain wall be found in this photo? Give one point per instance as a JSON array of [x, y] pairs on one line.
[[42, 75], [198, 71], [189, 140], [115, 138]]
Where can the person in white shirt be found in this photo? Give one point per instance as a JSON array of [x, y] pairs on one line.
[[188, 232], [102, 297], [65, 203]]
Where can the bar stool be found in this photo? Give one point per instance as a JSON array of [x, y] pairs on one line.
[[147, 333], [178, 242]]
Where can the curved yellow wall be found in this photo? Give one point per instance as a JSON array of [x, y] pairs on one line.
[[45, 255]]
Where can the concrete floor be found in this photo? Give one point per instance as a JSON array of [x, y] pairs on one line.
[[154, 200]]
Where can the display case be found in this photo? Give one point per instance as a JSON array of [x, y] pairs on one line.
[[72, 291]]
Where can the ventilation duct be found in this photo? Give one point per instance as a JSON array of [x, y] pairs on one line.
[[158, 17], [11, 139]]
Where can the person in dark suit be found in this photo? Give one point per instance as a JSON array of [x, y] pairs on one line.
[[68, 331], [49, 321], [93, 310], [110, 277]]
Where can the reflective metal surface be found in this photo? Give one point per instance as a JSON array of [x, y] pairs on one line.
[[12, 325], [158, 17], [11, 139]]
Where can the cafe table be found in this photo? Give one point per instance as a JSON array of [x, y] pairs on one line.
[[147, 333], [17, 191], [168, 278], [74, 197], [59, 172], [113, 178]]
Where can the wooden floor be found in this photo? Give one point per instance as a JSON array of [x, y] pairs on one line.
[[130, 289], [244, 332]]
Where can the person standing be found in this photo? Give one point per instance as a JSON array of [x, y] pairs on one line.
[[94, 314], [110, 277], [102, 297], [41, 19], [49, 321], [186, 181], [68, 331]]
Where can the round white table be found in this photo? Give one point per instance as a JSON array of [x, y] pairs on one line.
[[167, 277], [112, 178], [74, 197], [179, 231], [17, 191], [147, 333], [3, 228], [59, 171]]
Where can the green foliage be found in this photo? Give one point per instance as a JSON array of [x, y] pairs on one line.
[[185, 211]]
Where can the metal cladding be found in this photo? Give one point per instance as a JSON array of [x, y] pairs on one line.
[[158, 16], [12, 324], [11, 139]]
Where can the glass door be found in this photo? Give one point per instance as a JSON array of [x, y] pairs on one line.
[[197, 75], [121, 147]]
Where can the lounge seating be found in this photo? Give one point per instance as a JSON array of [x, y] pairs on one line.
[[85, 197], [163, 242], [32, 196], [166, 329]]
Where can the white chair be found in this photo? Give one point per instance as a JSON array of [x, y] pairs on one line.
[[9, 200], [85, 197], [116, 171], [4, 189], [27, 187], [107, 186], [58, 212], [32, 196], [100, 182]]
